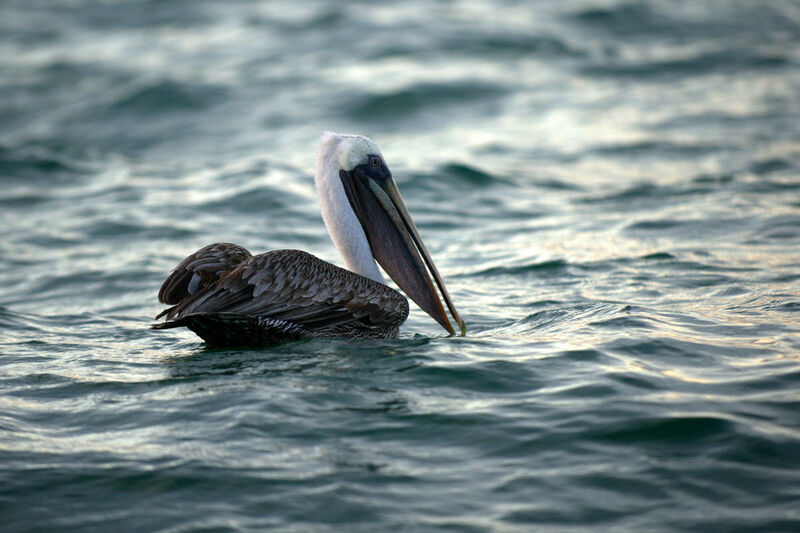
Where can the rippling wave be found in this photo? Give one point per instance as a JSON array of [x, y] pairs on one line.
[[610, 189]]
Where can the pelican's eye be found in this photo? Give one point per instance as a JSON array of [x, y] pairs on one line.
[[375, 161]]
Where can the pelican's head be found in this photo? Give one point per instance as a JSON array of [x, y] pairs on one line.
[[352, 150], [393, 238]]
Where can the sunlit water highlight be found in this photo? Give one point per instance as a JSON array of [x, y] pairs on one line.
[[610, 190]]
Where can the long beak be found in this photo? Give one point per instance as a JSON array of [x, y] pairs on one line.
[[396, 244]]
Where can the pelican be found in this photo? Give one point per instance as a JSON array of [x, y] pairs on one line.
[[230, 297]]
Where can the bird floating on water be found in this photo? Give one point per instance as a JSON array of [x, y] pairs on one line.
[[230, 297]]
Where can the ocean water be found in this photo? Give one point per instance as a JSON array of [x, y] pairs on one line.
[[610, 188]]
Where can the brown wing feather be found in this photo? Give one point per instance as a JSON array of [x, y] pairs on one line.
[[205, 267], [297, 287]]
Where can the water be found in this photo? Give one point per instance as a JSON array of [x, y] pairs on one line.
[[611, 190]]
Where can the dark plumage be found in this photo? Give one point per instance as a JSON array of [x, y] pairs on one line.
[[231, 298], [199, 270]]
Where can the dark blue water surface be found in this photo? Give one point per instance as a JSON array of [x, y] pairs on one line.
[[610, 188]]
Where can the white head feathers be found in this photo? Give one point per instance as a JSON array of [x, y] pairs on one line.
[[336, 153], [348, 151]]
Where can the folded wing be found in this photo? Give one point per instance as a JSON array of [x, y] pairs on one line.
[[288, 287], [201, 269]]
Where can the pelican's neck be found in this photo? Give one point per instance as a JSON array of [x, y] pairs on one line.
[[342, 223]]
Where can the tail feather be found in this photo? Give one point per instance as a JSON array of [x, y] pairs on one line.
[[168, 325], [163, 313]]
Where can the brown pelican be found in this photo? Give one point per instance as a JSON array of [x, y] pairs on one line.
[[229, 297]]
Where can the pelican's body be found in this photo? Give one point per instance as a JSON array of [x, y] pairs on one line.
[[230, 297]]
